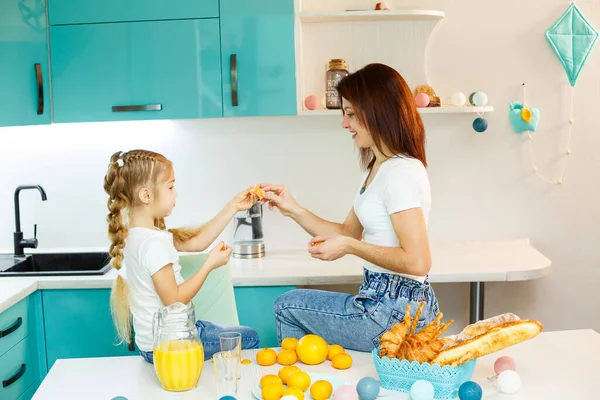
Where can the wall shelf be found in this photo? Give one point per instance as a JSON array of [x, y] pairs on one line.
[[381, 15], [428, 110]]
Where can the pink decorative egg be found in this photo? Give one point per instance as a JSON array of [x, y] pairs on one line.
[[311, 102], [504, 363], [422, 99], [346, 392]]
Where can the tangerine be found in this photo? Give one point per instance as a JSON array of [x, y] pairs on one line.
[[312, 349], [272, 391], [300, 380], [321, 390], [342, 361], [266, 357], [292, 391], [287, 357], [269, 379], [289, 343], [334, 350], [286, 373]]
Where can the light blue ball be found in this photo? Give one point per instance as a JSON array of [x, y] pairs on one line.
[[470, 391], [368, 388], [227, 398], [480, 124], [119, 398], [422, 390], [478, 99]]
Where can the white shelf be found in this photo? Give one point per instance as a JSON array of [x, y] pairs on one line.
[[427, 110], [380, 15]]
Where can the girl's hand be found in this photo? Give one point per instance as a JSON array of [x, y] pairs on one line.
[[218, 256], [278, 196], [244, 200], [329, 248]]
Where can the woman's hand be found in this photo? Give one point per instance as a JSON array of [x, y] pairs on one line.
[[218, 256], [278, 196], [244, 200], [329, 248]]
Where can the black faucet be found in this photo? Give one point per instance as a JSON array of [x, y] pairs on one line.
[[21, 243]]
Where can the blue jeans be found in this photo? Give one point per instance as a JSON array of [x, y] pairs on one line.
[[209, 335], [354, 322]]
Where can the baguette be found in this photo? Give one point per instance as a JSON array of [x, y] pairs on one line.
[[482, 327], [494, 340]]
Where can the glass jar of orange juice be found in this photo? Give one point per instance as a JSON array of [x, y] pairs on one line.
[[178, 351]]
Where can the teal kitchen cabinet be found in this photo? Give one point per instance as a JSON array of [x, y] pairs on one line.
[[136, 71], [24, 89], [66, 12], [258, 57], [22, 350], [78, 324]]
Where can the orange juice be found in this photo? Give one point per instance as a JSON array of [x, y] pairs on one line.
[[178, 364]]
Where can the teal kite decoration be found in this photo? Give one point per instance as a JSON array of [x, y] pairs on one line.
[[572, 38]]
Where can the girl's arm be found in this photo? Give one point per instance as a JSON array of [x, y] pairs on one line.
[[167, 288], [412, 257]]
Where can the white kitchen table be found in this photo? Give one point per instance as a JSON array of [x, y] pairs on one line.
[[552, 366]]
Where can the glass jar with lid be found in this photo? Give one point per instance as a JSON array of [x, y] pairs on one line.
[[338, 69]]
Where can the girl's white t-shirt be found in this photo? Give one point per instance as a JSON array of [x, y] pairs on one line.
[[146, 252], [401, 183]]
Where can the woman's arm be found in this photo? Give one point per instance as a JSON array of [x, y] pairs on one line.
[[412, 257], [280, 197]]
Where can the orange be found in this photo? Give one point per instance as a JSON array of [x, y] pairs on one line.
[[300, 380], [287, 357], [286, 373], [289, 343], [266, 357], [334, 350], [342, 361], [269, 379], [272, 391], [321, 390], [292, 391], [312, 349]]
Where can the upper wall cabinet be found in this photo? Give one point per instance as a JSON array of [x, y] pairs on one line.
[[257, 49], [136, 70], [24, 90], [65, 12]]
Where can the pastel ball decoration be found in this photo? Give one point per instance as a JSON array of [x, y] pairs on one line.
[[480, 124], [368, 388], [504, 363], [422, 390], [470, 391], [289, 397], [478, 99], [311, 102], [509, 382], [230, 398], [422, 99], [346, 392], [458, 99]]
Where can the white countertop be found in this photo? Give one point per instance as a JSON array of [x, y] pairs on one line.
[[547, 373], [457, 262]]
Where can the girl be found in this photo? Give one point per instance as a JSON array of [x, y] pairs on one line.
[[387, 227], [140, 185]]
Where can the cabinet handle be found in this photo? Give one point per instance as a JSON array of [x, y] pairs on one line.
[[15, 377], [234, 89], [149, 107], [40, 88], [11, 328]]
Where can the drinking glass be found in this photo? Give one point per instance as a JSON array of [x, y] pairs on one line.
[[226, 365]]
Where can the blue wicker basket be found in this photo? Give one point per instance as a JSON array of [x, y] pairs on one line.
[[399, 375]]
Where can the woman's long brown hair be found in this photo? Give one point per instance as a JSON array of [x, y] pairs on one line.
[[385, 106]]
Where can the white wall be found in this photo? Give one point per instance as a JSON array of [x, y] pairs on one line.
[[482, 184]]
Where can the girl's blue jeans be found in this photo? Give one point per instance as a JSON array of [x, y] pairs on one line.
[[209, 335], [354, 322]]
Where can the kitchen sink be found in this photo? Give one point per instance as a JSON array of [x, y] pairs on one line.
[[52, 264]]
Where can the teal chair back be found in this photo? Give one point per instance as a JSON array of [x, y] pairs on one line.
[[215, 300]]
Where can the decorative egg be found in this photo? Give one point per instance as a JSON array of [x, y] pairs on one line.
[[346, 392], [504, 363], [422, 390], [480, 124], [478, 99], [458, 99], [470, 391], [422, 100], [368, 388], [311, 102], [509, 382]]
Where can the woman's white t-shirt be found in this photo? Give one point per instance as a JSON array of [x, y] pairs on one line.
[[401, 183], [146, 252]]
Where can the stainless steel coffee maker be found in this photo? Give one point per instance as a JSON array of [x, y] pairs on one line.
[[248, 239]]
